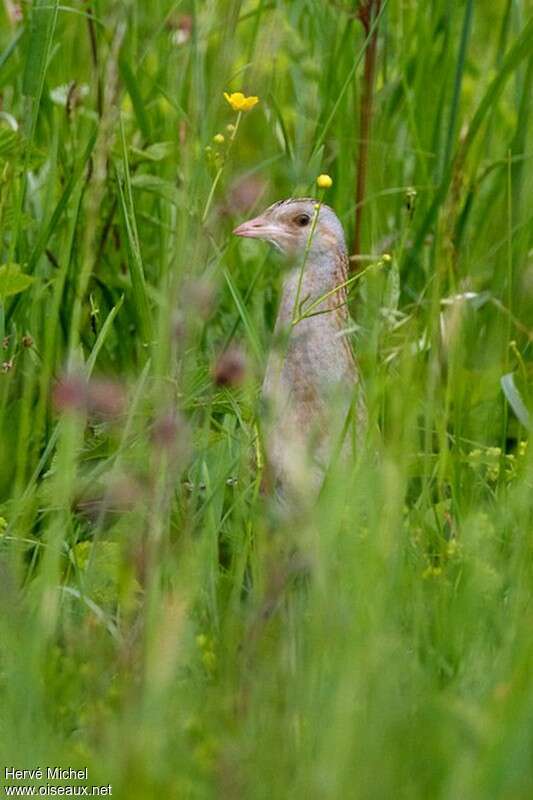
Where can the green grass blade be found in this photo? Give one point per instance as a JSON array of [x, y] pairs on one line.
[[134, 92], [244, 315], [458, 80], [140, 296], [517, 53], [102, 336], [42, 26]]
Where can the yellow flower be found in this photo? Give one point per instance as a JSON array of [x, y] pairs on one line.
[[324, 182], [218, 138], [209, 660], [239, 102], [452, 548], [431, 572]]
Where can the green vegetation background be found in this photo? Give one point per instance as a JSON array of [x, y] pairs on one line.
[[159, 622]]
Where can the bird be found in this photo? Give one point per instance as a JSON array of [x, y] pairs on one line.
[[313, 380]]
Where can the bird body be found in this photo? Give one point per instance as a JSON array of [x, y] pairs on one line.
[[311, 381]]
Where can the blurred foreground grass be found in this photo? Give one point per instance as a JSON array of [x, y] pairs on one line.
[[159, 623]]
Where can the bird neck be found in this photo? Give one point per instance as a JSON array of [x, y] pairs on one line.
[[322, 273]]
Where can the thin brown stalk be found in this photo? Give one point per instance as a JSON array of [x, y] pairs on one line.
[[367, 12], [94, 58]]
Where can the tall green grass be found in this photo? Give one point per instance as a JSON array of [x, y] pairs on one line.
[[162, 622]]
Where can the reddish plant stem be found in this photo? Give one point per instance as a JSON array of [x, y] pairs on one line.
[[366, 13], [94, 56]]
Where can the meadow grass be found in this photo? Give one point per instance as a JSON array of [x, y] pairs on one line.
[[162, 623]]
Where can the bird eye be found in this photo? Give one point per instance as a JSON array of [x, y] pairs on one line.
[[302, 220]]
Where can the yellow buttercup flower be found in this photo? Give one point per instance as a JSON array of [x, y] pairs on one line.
[[324, 182], [239, 102]]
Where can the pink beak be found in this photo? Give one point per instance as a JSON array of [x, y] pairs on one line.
[[257, 228]]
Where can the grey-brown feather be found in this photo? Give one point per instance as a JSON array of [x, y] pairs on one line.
[[311, 383]]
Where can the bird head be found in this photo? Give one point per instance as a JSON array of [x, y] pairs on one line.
[[291, 227]]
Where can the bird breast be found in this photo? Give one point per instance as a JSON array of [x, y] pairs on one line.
[[317, 354], [309, 381]]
